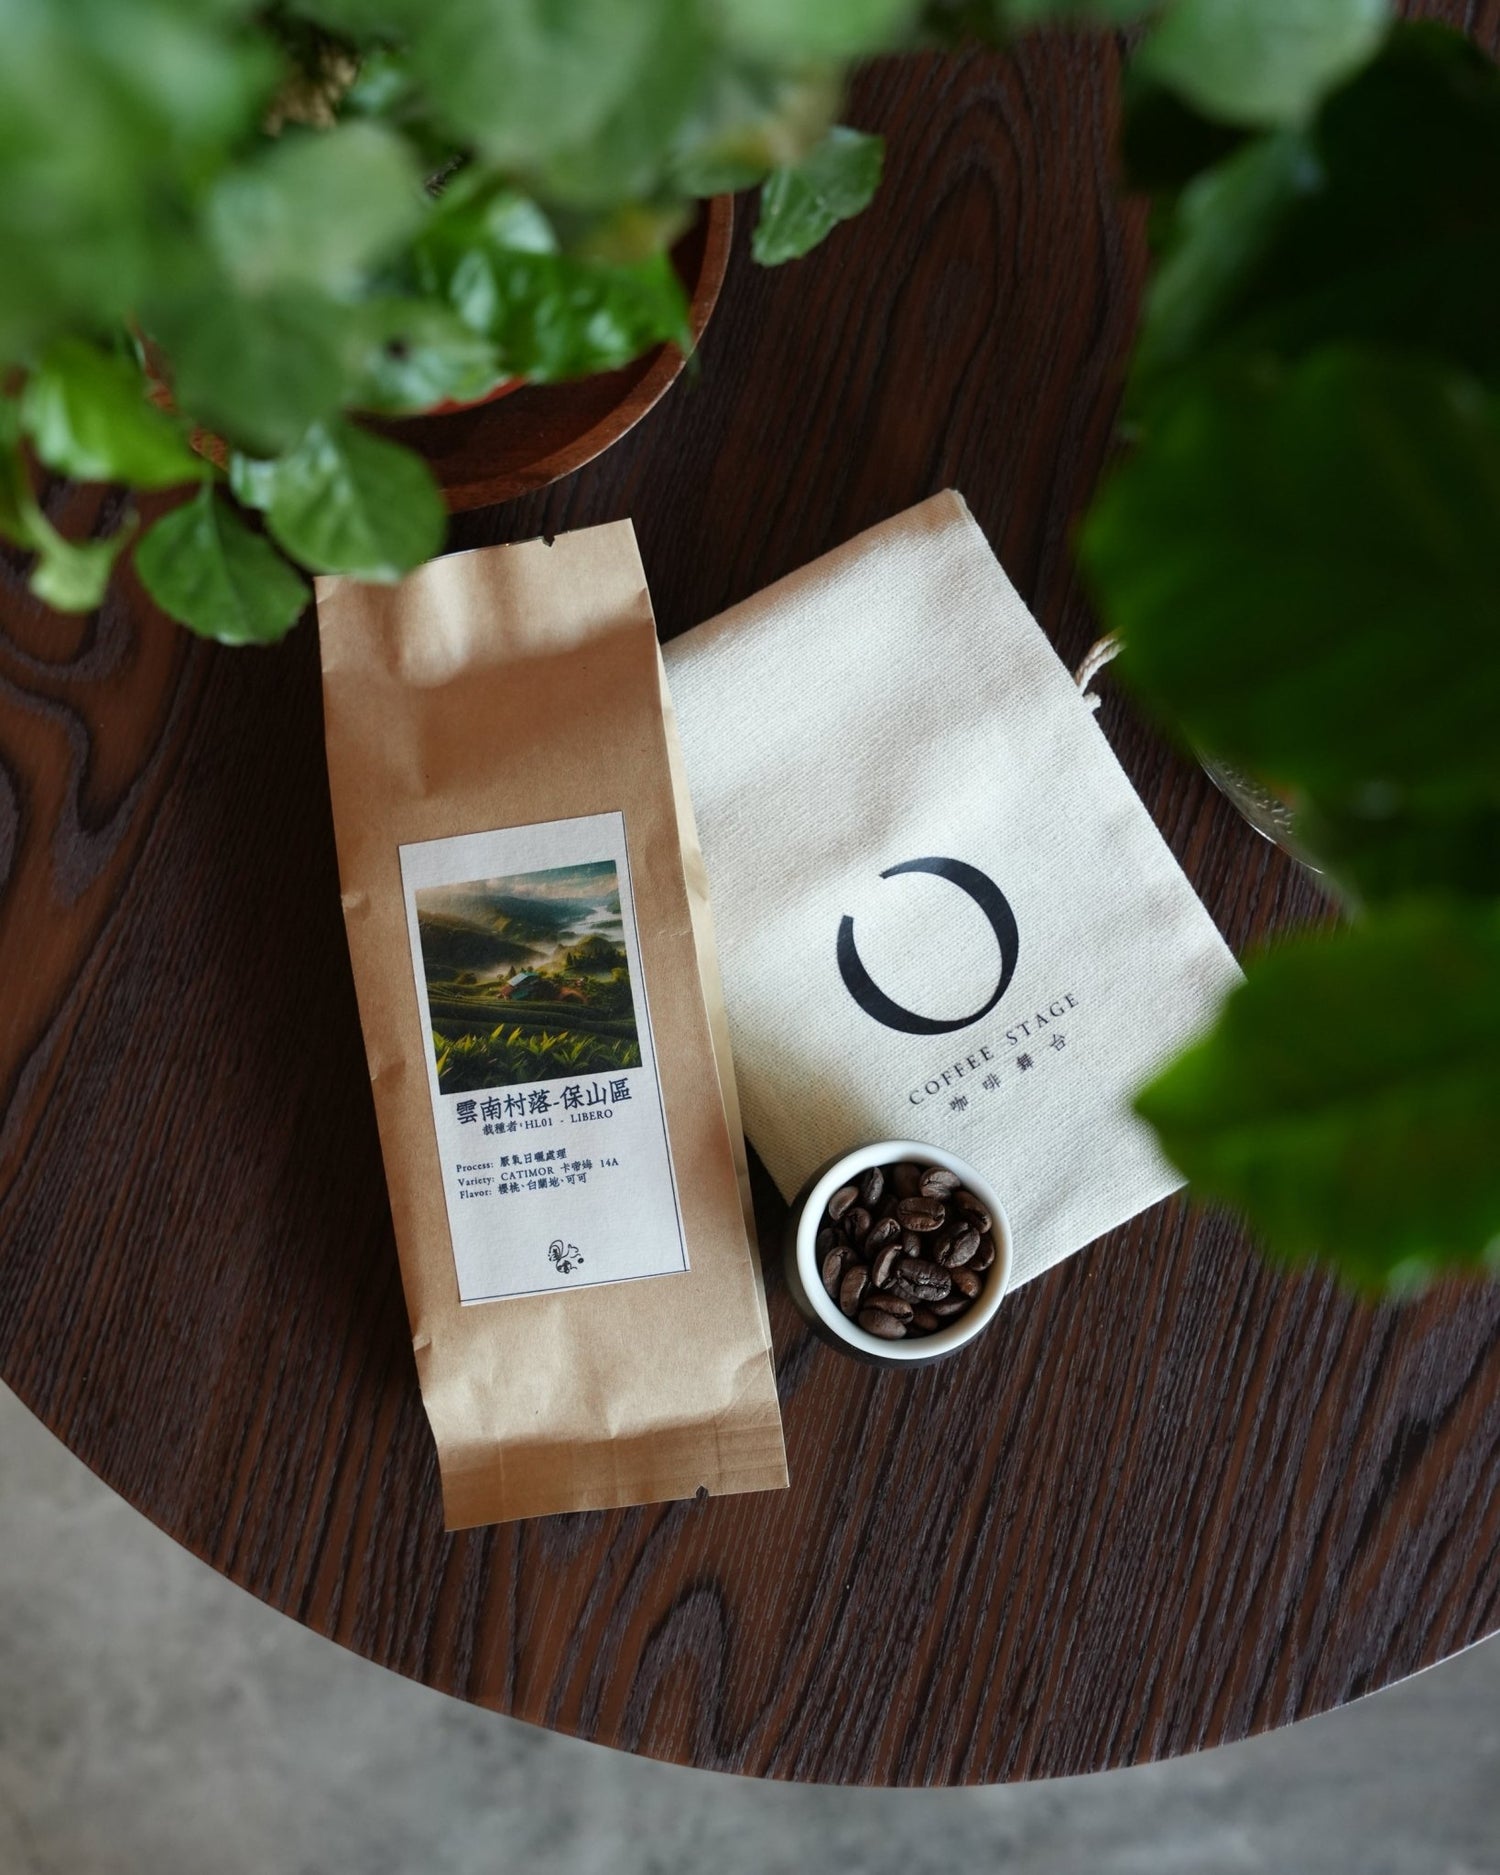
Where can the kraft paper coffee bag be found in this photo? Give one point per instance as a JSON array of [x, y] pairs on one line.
[[545, 1032]]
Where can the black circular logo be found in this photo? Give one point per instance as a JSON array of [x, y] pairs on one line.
[[990, 900]]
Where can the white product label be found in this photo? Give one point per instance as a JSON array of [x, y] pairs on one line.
[[540, 1059]]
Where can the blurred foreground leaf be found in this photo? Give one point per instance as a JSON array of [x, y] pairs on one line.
[[1261, 61], [1346, 1101], [316, 209], [1304, 563], [260, 367], [1379, 223], [1389, 843], [87, 416]]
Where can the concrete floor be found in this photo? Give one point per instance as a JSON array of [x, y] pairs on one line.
[[155, 1719]]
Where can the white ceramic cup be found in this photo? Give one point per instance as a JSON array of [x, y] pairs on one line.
[[804, 1274]]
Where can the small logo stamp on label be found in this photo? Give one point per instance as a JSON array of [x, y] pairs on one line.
[[565, 1257]]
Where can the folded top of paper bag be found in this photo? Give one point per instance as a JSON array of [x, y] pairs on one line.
[[943, 912]]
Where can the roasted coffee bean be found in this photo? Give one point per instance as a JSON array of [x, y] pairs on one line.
[[885, 1231], [835, 1263], [884, 1327], [892, 1305], [938, 1182], [857, 1224], [841, 1200], [906, 1179], [978, 1211], [852, 1289], [923, 1321], [921, 1281], [945, 1311], [871, 1187], [922, 1214], [966, 1283], [829, 1239], [984, 1256], [960, 1249], [884, 1266]]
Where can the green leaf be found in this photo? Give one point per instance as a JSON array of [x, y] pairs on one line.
[[791, 30], [87, 416], [1261, 61], [1303, 563], [70, 576], [201, 564], [73, 576], [317, 209], [417, 353], [1346, 1101], [493, 257], [1164, 142], [1226, 220], [252, 481], [260, 369], [363, 20], [628, 157], [111, 118], [1391, 843], [349, 502], [559, 318], [532, 78], [751, 118], [16, 499], [1025, 13], [1380, 223], [799, 206]]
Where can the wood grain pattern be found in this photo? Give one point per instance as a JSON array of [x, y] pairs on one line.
[[1180, 1497]]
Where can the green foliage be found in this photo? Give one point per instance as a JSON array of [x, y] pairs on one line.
[[1302, 552], [513, 1056], [317, 209], [68, 575], [86, 415], [414, 353], [1261, 61], [494, 259], [349, 502], [202, 564], [230, 194], [1383, 844], [800, 205], [112, 116], [1346, 1101], [258, 368], [1286, 539], [830, 29], [1379, 222]]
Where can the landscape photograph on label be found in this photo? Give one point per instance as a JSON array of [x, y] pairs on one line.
[[527, 978]]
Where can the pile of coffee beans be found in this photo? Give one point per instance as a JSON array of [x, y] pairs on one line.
[[903, 1249]]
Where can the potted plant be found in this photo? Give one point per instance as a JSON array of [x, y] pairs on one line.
[[252, 224], [319, 207]]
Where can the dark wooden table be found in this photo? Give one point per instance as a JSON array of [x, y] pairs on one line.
[[1174, 1496]]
